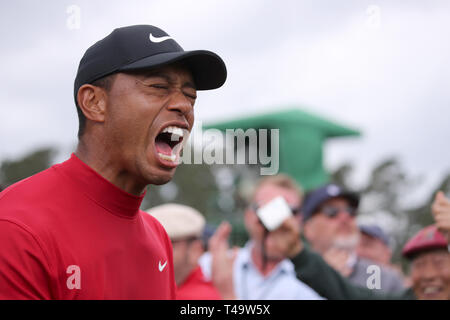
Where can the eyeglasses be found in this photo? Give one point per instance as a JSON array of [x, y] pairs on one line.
[[294, 210], [331, 211]]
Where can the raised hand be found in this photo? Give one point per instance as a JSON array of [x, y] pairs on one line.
[[441, 213], [222, 261]]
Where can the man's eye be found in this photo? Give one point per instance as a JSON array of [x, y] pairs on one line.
[[438, 261], [159, 86], [190, 95]]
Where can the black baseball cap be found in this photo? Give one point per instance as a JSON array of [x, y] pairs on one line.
[[145, 47], [318, 196]]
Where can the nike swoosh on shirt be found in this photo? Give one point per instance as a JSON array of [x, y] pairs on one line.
[[159, 39], [161, 267]]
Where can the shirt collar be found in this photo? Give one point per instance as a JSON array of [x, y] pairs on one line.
[[100, 190], [284, 266]]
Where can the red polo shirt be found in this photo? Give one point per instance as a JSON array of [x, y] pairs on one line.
[[196, 287], [68, 233]]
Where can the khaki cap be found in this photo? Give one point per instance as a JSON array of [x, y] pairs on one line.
[[179, 221]]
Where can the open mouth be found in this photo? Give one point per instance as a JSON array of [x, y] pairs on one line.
[[168, 143]]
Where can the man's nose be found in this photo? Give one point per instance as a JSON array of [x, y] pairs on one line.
[[430, 271], [344, 216], [180, 103]]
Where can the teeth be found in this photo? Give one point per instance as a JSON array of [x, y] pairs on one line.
[[166, 157], [430, 290], [176, 132]]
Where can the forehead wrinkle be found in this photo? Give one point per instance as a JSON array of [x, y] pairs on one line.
[[168, 77], [158, 74]]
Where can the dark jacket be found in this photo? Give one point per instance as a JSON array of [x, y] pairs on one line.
[[316, 273], [390, 280]]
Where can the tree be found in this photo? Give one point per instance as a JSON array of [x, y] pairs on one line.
[[12, 171], [217, 191]]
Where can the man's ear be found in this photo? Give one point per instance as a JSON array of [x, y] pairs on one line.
[[307, 228], [92, 101], [299, 218], [248, 219]]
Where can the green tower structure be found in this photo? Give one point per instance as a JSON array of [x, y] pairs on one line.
[[301, 139]]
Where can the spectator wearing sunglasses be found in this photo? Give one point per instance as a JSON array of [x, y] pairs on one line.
[[330, 227], [260, 270]]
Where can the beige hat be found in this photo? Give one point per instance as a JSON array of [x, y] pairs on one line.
[[178, 220]]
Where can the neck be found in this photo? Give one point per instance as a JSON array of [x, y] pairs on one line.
[[258, 261], [181, 274], [98, 156]]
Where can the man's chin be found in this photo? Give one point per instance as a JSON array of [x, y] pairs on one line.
[[156, 173], [346, 241], [161, 178], [160, 181]]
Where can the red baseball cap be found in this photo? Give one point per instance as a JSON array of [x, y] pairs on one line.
[[426, 239]]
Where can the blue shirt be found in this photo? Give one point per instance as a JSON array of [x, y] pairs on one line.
[[250, 284]]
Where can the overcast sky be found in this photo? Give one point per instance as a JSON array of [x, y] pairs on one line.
[[378, 66]]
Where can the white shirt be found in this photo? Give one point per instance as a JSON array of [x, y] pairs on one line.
[[250, 284]]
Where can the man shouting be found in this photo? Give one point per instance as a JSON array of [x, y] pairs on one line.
[[75, 231]]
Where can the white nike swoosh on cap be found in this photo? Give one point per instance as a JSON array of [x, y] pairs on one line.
[[159, 39], [161, 267]]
